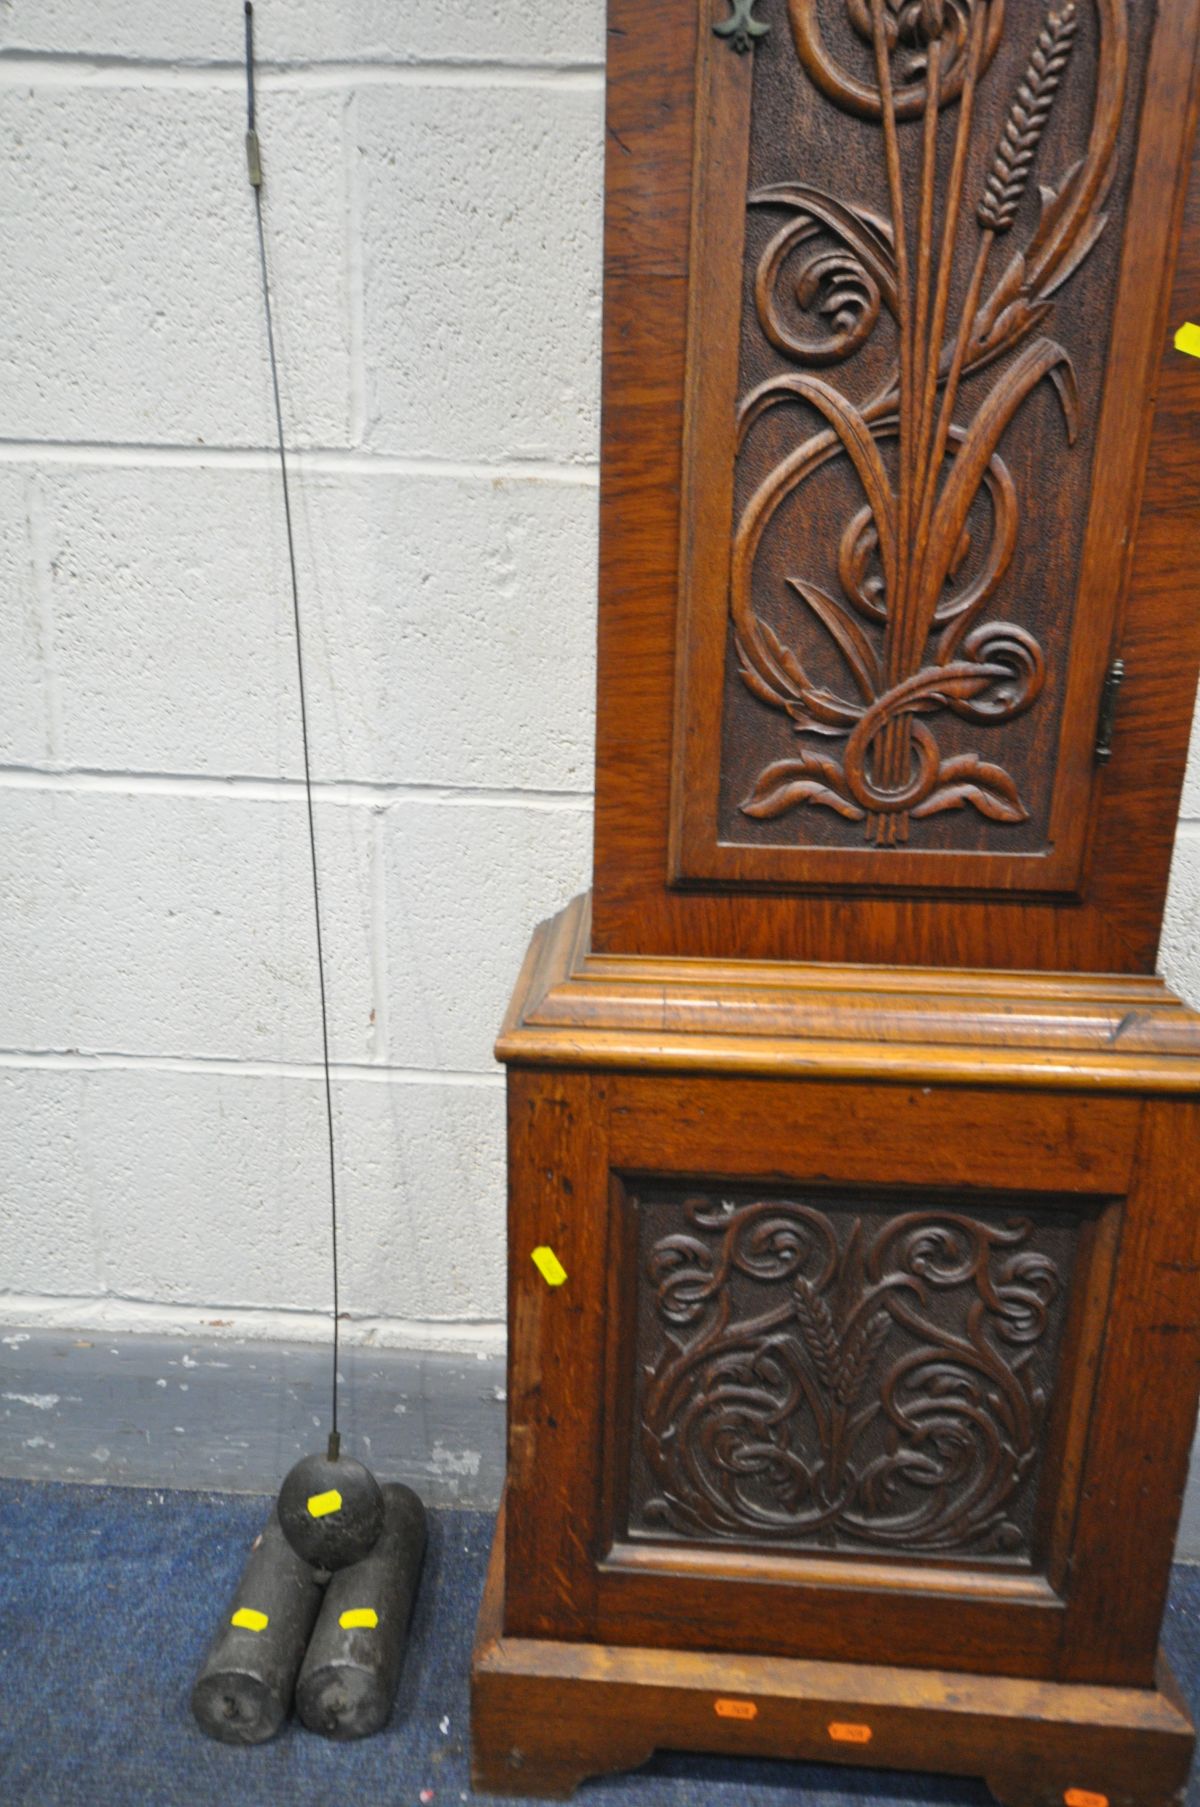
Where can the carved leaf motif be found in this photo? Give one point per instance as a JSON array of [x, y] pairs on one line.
[[865, 265], [1008, 316], [809, 779], [849, 425], [757, 684], [857, 650], [967, 779], [1054, 202], [1044, 358], [786, 664]]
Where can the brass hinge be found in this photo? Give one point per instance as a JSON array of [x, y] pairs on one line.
[[1113, 680]]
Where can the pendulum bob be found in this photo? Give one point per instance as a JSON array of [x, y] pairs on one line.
[[331, 1509], [244, 1691], [350, 1674]]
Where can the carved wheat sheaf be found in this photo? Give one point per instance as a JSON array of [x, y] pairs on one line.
[[1026, 122], [874, 1387], [913, 645]]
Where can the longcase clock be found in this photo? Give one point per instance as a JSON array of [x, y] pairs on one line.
[[854, 1148]]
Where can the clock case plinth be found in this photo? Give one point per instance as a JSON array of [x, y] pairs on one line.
[[1054, 1119], [549, 1715]]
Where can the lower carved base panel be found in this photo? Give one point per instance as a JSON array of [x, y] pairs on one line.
[[547, 1715]]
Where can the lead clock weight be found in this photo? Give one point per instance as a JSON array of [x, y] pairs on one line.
[[352, 1668], [244, 1690]]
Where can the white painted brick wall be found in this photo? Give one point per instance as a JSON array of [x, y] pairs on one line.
[[450, 623], [130, 265], [433, 215], [504, 363], [434, 177], [184, 1186], [520, 33]]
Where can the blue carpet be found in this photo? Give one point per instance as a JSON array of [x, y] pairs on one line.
[[108, 1598]]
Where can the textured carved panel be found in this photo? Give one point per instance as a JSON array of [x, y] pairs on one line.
[[841, 1374], [934, 216]]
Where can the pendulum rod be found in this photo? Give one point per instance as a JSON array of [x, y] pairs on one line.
[[254, 167]]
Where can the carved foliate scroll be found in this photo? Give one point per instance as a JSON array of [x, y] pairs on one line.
[[837, 1376], [933, 210]]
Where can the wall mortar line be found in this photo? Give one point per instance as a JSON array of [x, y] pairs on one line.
[[381, 1039], [355, 274], [251, 788], [43, 590], [322, 460], [58, 70], [75, 1060]]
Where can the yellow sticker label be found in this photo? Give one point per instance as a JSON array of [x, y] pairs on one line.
[[1186, 339], [359, 1618], [247, 1618], [320, 1505], [1082, 1797], [549, 1266], [849, 1734], [735, 1709]]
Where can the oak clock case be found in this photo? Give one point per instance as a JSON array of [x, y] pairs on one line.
[[865, 1138]]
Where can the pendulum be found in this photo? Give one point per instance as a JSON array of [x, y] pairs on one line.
[[331, 1510], [328, 1589]]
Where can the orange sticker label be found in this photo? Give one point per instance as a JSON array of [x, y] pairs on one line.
[[735, 1709], [850, 1734], [1082, 1797]]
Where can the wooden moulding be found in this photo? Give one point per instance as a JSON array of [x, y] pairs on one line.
[[784, 1019], [546, 1715]]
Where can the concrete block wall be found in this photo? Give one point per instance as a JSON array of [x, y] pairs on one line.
[[433, 219], [433, 214]]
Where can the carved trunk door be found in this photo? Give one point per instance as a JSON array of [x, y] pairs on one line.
[[911, 460]]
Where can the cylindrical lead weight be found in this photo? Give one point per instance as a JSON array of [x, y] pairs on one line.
[[349, 1679], [243, 1692]]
